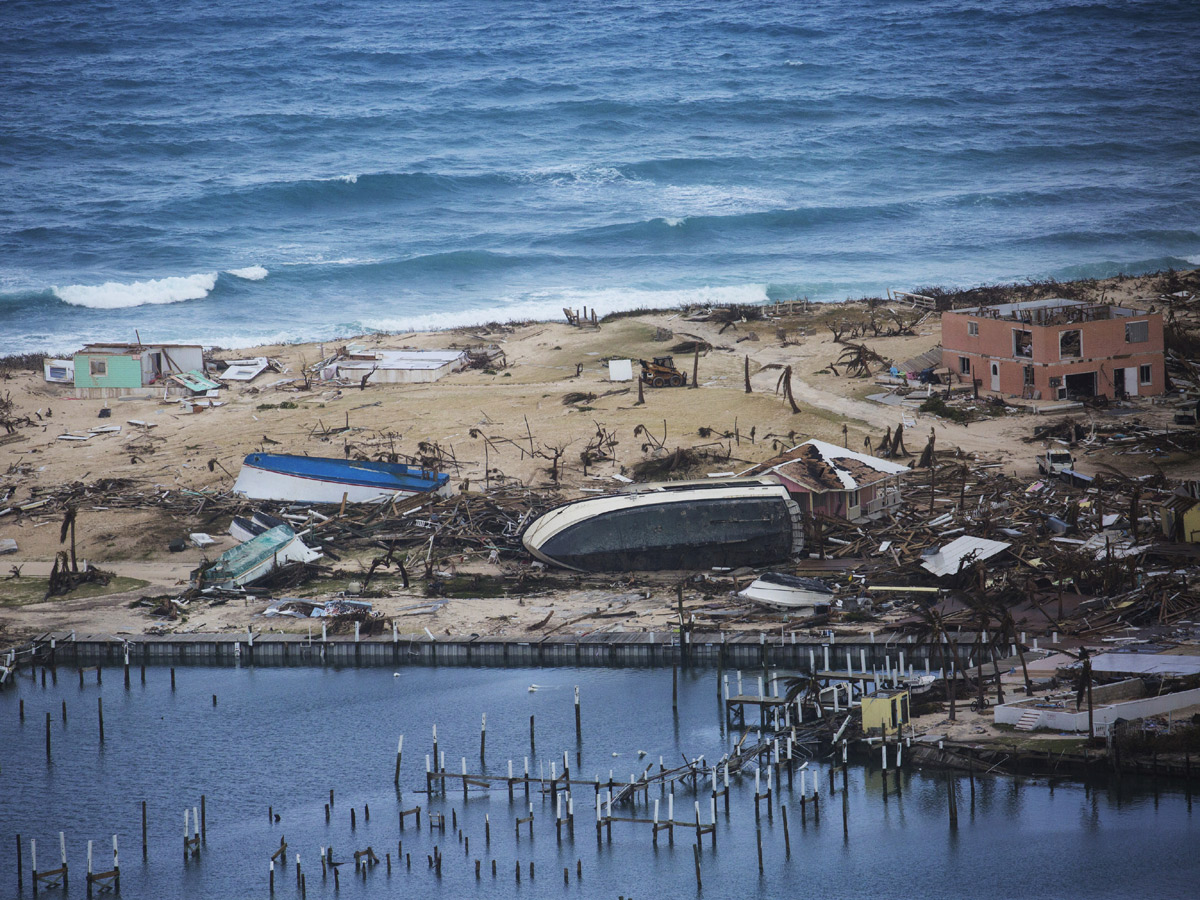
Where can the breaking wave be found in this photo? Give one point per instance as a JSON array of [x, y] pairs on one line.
[[115, 295], [548, 305], [250, 273]]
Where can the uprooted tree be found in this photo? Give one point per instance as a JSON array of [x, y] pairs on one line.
[[857, 359]]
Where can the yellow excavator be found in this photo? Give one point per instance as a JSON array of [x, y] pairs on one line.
[[661, 372]]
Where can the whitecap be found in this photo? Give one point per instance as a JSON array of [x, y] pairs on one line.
[[115, 295], [548, 305], [250, 273], [586, 175], [795, 63], [345, 179], [674, 221]]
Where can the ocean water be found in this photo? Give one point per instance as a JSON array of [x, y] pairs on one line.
[[297, 169], [280, 739]]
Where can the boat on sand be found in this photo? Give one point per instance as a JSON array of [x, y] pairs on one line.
[[315, 479], [789, 591], [671, 525]]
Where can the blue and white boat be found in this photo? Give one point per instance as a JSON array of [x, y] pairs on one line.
[[315, 479]]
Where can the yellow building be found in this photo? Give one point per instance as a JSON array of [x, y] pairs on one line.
[[1181, 515], [884, 711]]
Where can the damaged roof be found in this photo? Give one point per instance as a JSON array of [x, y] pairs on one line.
[[399, 359], [962, 550], [819, 467]]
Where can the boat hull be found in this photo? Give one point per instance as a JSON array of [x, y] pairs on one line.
[[790, 598], [257, 558], [243, 529], [310, 480], [646, 531], [789, 591]]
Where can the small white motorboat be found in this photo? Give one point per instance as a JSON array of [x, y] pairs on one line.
[[789, 591]]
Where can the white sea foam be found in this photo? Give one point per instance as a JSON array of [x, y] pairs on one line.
[[581, 176], [346, 179], [795, 63], [250, 273], [688, 200], [548, 305], [544, 305], [115, 295], [674, 221]]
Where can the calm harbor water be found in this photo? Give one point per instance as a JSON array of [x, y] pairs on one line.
[[282, 738]]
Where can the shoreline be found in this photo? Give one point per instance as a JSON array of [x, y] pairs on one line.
[[512, 440], [707, 296], [468, 418], [974, 746]]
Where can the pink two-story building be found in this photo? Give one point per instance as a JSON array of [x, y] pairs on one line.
[[1056, 349]]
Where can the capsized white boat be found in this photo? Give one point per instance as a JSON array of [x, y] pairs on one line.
[[791, 591], [671, 525]]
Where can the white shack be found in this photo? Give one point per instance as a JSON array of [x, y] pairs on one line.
[[394, 366]]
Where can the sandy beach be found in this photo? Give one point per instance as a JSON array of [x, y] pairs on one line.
[[516, 407]]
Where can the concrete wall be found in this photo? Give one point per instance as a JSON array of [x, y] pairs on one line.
[[1067, 719], [1119, 691], [608, 649]]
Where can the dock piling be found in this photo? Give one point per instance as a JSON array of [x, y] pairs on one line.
[[578, 722]]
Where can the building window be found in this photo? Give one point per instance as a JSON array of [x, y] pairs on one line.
[[852, 499], [1070, 344], [1137, 332], [1145, 375], [964, 365], [98, 367], [1028, 370], [1022, 343], [973, 329]]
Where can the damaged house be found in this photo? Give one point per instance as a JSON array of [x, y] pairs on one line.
[[1181, 514], [1056, 349], [834, 481], [123, 370], [380, 366]]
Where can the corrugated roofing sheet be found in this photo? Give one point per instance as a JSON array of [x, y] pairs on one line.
[[403, 359], [1146, 664], [950, 558]]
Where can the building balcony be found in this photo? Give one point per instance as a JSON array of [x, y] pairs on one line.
[[881, 503]]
